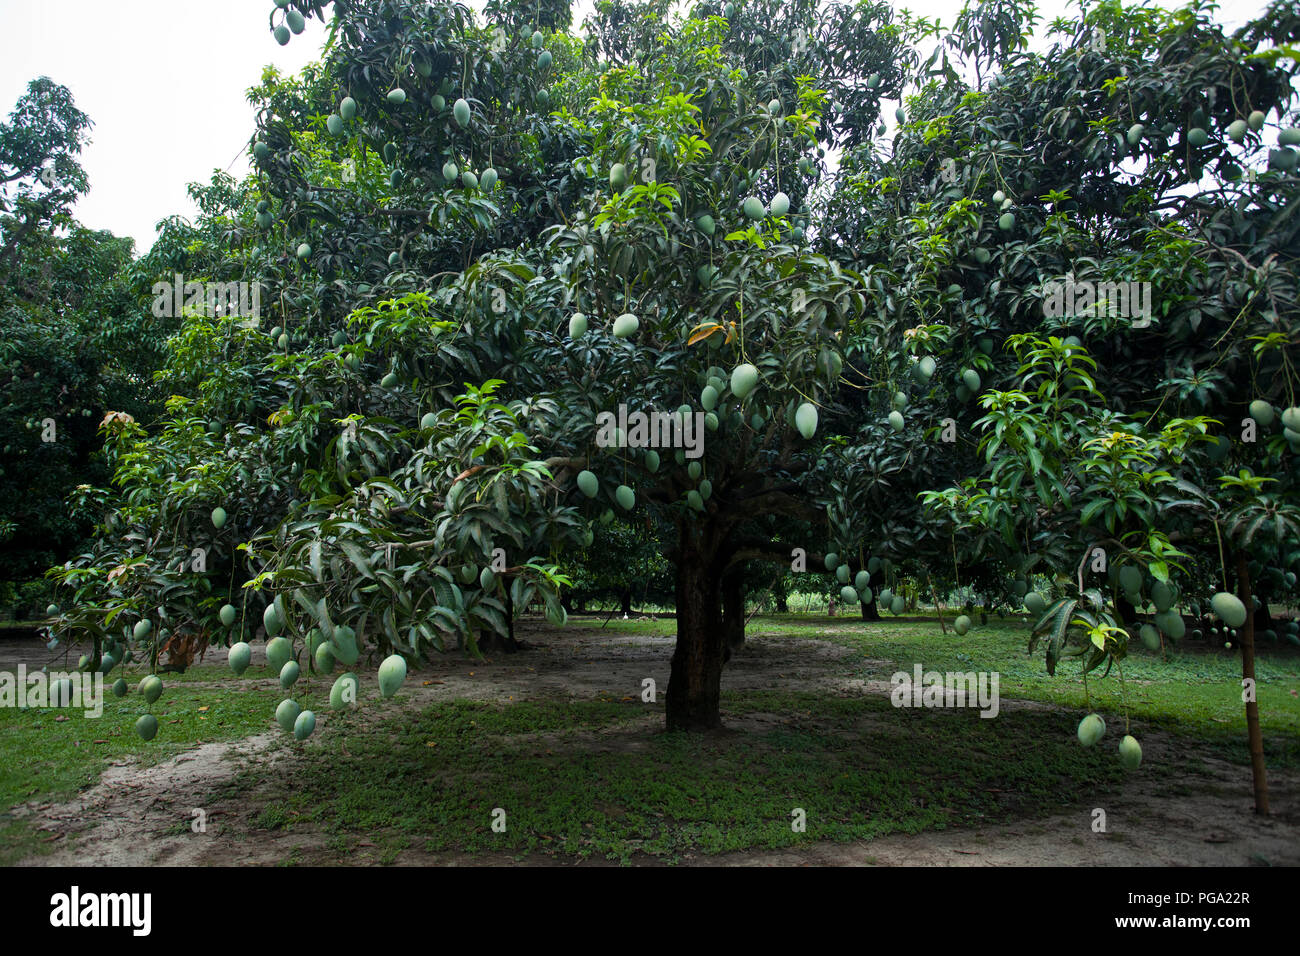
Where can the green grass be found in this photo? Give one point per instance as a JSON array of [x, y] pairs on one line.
[[599, 778], [1190, 691], [856, 766], [48, 759]]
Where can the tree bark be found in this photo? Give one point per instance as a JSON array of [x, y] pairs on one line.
[[733, 610], [1127, 612], [870, 610], [1253, 735], [782, 603], [695, 680], [626, 598]]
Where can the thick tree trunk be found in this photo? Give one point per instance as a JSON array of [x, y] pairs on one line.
[[695, 681], [626, 598], [490, 642], [733, 611], [870, 611], [782, 603], [1127, 612], [1253, 736]]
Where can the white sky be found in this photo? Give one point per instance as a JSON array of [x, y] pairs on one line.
[[164, 82]]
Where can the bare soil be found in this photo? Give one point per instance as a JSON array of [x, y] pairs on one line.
[[135, 818]]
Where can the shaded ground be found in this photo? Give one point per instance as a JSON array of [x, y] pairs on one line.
[[1183, 807]]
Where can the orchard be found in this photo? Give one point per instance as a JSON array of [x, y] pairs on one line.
[[688, 322]]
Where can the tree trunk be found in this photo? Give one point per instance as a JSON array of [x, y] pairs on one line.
[[695, 681], [1127, 612], [782, 603], [490, 642], [870, 610], [626, 597], [1253, 736], [733, 611]]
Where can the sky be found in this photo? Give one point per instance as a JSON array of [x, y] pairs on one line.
[[164, 82]]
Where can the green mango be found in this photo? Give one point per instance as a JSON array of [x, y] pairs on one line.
[[961, 625], [146, 726], [392, 672], [626, 497], [625, 325], [278, 652], [303, 725], [805, 419], [346, 690], [744, 379], [241, 655], [1130, 753], [286, 714], [1091, 729], [150, 688], [227, 615], [1150, 637], [1035, 604], [1229, 609], [588, 484]]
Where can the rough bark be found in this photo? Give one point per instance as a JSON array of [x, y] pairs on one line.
[[626, 598], [1127, 612], [695, 679], [733, 610]]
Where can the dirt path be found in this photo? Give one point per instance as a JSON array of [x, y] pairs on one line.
[[134, 818]]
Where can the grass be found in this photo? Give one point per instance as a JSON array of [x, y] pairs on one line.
[[597, 779], [1188, 691], [49, 759]]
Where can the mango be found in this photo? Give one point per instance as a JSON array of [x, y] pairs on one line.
[[392, 672], [1091, 729], [146, 726], [286, 714], [241, 655]]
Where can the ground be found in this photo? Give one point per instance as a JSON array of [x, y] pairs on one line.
[[558, 737]]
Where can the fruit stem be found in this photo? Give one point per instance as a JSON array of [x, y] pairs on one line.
[[1122, 696], [1223, 569]]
